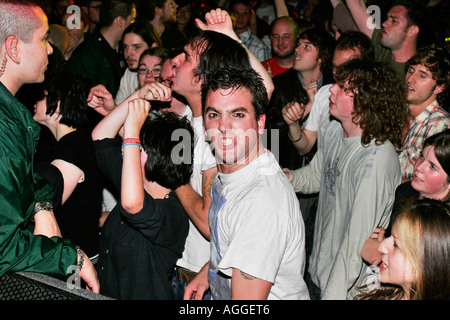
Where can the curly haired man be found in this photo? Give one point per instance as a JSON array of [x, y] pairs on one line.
[[355, 170]]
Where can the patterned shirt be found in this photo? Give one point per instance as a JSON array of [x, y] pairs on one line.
[[255, 45], [432, 120]]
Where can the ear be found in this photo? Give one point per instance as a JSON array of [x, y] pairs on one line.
[[413, 31], [261, 123], [12, 48], [119, 21], [439, 89]]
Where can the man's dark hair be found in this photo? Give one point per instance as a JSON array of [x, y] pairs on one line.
[[325, 43], [356, 40], [156, 139], [69, 92], [111, 9], [238, 78], [216, 51]]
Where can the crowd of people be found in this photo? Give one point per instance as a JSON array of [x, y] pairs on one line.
[[227, 149]]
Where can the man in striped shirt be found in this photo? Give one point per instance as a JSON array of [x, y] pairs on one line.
[[428, 85]]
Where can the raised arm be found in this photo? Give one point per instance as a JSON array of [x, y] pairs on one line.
[[219, 20], [281, 8], [360, 15], [132, 186], [110, 125]]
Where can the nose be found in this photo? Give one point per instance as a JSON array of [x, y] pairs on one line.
[[382, 247], [224, 124], [333, 88], [49, 49], [419, 165], [178, 60]]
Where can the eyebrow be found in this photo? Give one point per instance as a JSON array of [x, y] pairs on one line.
[[239, 109]]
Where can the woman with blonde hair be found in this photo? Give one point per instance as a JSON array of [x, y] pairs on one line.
[[415, 258]]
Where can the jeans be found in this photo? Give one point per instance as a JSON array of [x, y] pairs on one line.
[[178, 288]]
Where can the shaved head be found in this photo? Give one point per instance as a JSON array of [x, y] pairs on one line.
[[19, 19]]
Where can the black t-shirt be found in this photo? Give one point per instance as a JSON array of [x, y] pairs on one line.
[[78, 217], [138, 251]]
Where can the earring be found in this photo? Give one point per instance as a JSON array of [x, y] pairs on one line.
[[3, 66]]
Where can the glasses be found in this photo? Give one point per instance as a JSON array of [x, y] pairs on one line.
[[155, 71]]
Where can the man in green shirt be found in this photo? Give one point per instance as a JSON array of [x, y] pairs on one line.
[[399, 36], [25, 196]]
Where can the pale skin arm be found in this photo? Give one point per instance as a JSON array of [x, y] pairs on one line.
[[281, 8], [247, 287], [195, 205], [71, 175], [132, 186], [101, 100], [197, 287], [218, 20], [360, 15], [243, 286], [45, 224]]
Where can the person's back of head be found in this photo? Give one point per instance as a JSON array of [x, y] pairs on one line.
[[217, 50], [379, 99], [111, 9], [355, 40], [67, 95], [168, 165], [325, 43], [436, 59]]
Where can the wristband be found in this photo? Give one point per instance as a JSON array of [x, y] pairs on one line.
[[131, 140], [131, 144]]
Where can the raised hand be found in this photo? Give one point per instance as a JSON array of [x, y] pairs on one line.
[[101, 100], [138, 110], [155, 91], [293, 112], [217, 20]]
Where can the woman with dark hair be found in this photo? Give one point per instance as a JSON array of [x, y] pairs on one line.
[[137, 38], [63, 110], [415, 257]]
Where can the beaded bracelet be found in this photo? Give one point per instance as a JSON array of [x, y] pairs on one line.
[[290, 138], [80, 263]]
